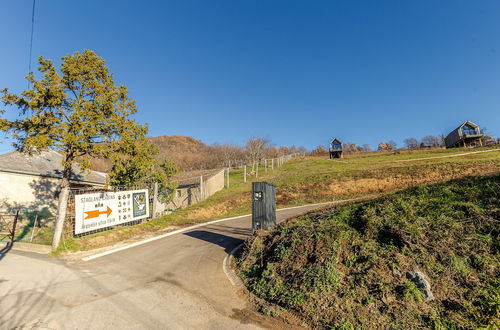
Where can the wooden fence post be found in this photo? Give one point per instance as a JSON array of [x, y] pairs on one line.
[[155, 199], [265, 165], [34, 225], [244, 173], [272, 164], [227, 177], [257, 170]]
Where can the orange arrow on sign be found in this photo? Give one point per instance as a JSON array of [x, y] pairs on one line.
[[96, 213]]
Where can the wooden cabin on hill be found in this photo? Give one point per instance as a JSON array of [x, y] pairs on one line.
[[466, 135], [336, 148]]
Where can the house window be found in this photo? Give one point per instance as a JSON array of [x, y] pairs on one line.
[[336, 145], [468, 130]]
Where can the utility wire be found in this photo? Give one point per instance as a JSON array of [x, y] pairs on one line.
[[31, 39]]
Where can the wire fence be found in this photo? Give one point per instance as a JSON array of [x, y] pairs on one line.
[[69, 223], [37, 223]]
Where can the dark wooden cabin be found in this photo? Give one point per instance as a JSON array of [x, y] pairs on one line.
[[336, 148], [466, 135]]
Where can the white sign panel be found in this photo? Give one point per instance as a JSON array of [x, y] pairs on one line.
[[104, 209]]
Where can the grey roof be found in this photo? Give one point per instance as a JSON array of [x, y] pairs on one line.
[[46, 163]]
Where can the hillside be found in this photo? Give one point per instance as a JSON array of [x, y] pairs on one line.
[[187, 152], [317, 179], [350, 267]]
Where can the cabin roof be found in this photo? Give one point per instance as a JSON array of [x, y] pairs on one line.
[[335, 139], [468, 122]]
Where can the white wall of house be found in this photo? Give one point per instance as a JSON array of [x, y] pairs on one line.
[[27, 191]]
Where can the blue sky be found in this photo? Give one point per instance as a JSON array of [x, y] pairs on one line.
[[297, 72]]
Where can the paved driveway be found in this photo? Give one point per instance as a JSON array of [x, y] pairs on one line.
[[176, 282]]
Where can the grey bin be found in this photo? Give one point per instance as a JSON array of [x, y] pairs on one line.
[[263, 205]]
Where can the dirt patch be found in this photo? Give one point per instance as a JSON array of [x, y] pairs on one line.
[[218, 209], [376, 181]]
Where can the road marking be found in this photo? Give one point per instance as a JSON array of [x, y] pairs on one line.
[[182, 230]]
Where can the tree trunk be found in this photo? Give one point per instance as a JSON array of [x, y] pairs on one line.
[[61, 213], [63, 201]]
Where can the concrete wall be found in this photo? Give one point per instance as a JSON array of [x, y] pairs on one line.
[[214, 184], [189, 195]]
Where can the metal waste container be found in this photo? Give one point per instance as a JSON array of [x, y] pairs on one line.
[[263, 205]]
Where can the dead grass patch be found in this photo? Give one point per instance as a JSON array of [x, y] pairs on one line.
[[218, 209]]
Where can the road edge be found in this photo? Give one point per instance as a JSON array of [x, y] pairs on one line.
[[229, 271], [202, 224]]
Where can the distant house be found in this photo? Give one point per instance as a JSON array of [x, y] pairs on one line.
[[336, 148], [32, 183], [466, 135]]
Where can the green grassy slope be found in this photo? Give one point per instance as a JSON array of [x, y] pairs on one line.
[[346, 267], [313, 180]]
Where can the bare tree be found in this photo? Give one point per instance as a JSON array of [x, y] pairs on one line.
[[271, 151], [303, 150], [387, 145], [320, 150], [430, 141], [349, 147], [255, 150], [442, 142], [411, 143], [367, 147], [284, 150], [230, 153]]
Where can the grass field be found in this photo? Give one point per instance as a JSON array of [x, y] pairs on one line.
[[312, 180], [347, 267]]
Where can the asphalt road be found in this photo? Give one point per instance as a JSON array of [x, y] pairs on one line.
[[176, 282]]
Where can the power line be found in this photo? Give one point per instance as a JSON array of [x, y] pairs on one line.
[[31, 39]]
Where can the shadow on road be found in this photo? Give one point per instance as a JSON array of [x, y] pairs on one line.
[[227, 242], [5, 250]]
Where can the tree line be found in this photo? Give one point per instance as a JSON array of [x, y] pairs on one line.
[[428, 141]]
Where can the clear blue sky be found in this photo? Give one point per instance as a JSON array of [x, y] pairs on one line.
[[297, 72]]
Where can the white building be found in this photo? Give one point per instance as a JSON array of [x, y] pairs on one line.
[[31, 183]]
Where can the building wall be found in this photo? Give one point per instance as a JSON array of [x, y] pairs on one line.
[[31, 194], [452, 138], [27, 192]]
